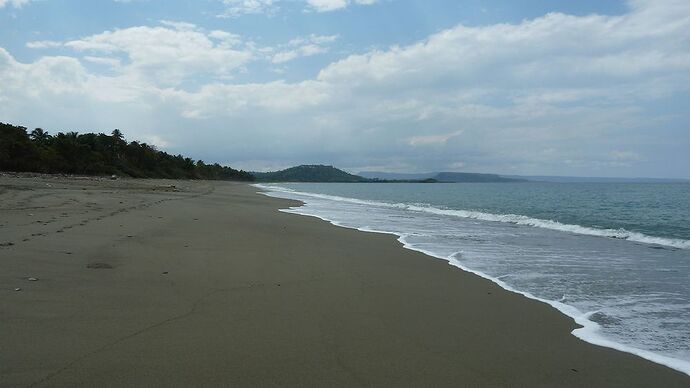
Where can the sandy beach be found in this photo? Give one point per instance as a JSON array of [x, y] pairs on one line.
[[198, 283]]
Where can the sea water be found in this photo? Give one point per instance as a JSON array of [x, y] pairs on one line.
[[613, 256]]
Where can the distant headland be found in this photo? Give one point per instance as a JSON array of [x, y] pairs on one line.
[[323, 173]]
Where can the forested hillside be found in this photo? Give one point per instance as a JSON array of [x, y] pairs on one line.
[[309, 173]]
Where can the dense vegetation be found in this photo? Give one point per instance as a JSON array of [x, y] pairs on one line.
[[99, 154], [309, 173]]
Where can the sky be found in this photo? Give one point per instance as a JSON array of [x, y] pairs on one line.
[[532, 87]]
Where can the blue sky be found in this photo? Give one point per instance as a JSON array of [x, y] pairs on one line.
[[588, 88]]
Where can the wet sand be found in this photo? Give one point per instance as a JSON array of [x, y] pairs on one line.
[[138, 283]]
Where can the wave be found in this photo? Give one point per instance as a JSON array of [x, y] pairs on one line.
[[589, 331], [515, 219]]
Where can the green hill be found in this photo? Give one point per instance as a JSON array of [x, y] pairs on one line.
[[308, 173]]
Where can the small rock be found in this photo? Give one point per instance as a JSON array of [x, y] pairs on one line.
[[165, 273], [17, 289], [32, 279]]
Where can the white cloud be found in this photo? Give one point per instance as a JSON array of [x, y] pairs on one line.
[[303, 47], [176, 52], [433, 139], [42, 44], [531, 97], [236, 8], [327, 5], [333, 5], [167, 55], [112, 62], [13, 3]]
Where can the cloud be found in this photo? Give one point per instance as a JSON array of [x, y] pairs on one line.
[[333, 5], [13, 3], [303, 47], [433, 139], [176, 52], [236, 8], [167, 55], [42, 44], [531, 97]]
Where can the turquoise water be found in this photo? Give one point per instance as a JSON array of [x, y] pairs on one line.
[[615, 257]]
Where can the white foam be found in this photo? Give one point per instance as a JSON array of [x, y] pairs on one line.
[[505, 218], [589, 332]]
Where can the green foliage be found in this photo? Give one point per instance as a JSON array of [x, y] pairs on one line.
[[99, 154], [309, 173]]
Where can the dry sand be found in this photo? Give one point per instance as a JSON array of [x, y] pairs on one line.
[[207, 284]]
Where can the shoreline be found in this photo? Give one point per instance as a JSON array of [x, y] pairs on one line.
[[587, 331], [209, 284]]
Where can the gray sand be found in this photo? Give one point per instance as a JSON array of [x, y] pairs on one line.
[[207, 284]]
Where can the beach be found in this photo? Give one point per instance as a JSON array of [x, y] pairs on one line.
[[202, 283]]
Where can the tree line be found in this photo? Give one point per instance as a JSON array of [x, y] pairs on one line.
[[99, 154]]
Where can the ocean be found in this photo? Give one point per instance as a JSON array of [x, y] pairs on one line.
[[613, 256]]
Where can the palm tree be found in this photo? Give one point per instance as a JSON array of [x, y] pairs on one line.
[[39, 136], [118, 144], [118, 136]]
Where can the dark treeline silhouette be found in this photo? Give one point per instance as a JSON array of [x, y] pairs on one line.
[[99, 154]]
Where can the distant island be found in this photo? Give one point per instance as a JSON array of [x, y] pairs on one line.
[[100, 154], [441, 177], [323, 173], [472, 177]]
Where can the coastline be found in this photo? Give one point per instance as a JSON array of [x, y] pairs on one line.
[[209, 284], [588, 330]]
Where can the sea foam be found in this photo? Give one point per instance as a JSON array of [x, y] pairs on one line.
[[515, 219], [590, 331]]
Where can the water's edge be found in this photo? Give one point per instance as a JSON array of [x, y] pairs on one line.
[[589, 332]]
